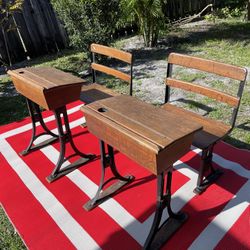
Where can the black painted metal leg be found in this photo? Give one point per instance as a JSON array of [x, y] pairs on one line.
[[159, 234], [36, 116], [203, 181], [104, 194], [64, 137]]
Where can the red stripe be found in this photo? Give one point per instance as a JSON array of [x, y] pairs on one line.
[[14, 125], [35, 226], [238, 237], [233, 154]]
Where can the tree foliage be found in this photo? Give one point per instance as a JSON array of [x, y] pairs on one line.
[[149, 15], [7, 10], [231, 4], [7, 20], [88, 21]]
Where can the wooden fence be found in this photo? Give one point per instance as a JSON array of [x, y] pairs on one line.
[[39, 32], [176, 9]]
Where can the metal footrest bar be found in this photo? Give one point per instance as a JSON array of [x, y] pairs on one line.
[[64, 138], [107, 193], [104, 194], [65, 170], [210, 179], [36, 116], [168, 228], [39, 146]]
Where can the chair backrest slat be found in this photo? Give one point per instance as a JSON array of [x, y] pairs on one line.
[[111, 52], [110, 71], [226, 70], [220, 69], [215, 94]]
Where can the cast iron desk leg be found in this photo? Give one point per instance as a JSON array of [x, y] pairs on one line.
[[64, 137], [102, 195], [203, 181], [36, 116], [159, 234]]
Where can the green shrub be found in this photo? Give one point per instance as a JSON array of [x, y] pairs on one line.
[[88, 21], [225, 13], [149, 16], [231, 4]]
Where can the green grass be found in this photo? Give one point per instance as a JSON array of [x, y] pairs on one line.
[[9, 238], [13, 106], [67, 60], [226, 40]]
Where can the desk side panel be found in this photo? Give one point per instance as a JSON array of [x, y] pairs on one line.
[[49, 99], [168, 156], [136, 148], [60, 96], [33, 92]]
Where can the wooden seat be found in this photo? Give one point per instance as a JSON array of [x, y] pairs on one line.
[[95, 91], [213, 130]]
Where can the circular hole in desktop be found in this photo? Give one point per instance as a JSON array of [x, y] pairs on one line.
[[102, 110]]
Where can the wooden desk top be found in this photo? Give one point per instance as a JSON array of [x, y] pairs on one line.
[[45, 77], [135, 127], [49, 87]]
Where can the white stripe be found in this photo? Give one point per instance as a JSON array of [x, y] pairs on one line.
[[29, 126], [235, 167], [227, 164], [75, 233], [220, 225]]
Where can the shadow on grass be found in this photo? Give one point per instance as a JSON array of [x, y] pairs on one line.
[[237, 143], [68, 60], [13, 106], [245, 127]]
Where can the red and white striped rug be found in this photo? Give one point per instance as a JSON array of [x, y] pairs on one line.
[[50, 216]]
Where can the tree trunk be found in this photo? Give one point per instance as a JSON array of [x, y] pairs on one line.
[[6, 46]]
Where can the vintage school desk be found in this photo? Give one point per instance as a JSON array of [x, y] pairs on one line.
[[150, 136], [51, 89]]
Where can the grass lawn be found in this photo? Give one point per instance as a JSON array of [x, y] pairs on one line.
[[9, 239], [225, 40]]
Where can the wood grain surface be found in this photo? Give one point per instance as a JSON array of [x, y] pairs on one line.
[[48, 87], [149, 135]]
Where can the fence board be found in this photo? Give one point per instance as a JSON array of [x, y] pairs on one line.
[[40, 32], [175, 9]]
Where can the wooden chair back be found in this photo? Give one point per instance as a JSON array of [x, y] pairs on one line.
[[113, 53], [217, 68]]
